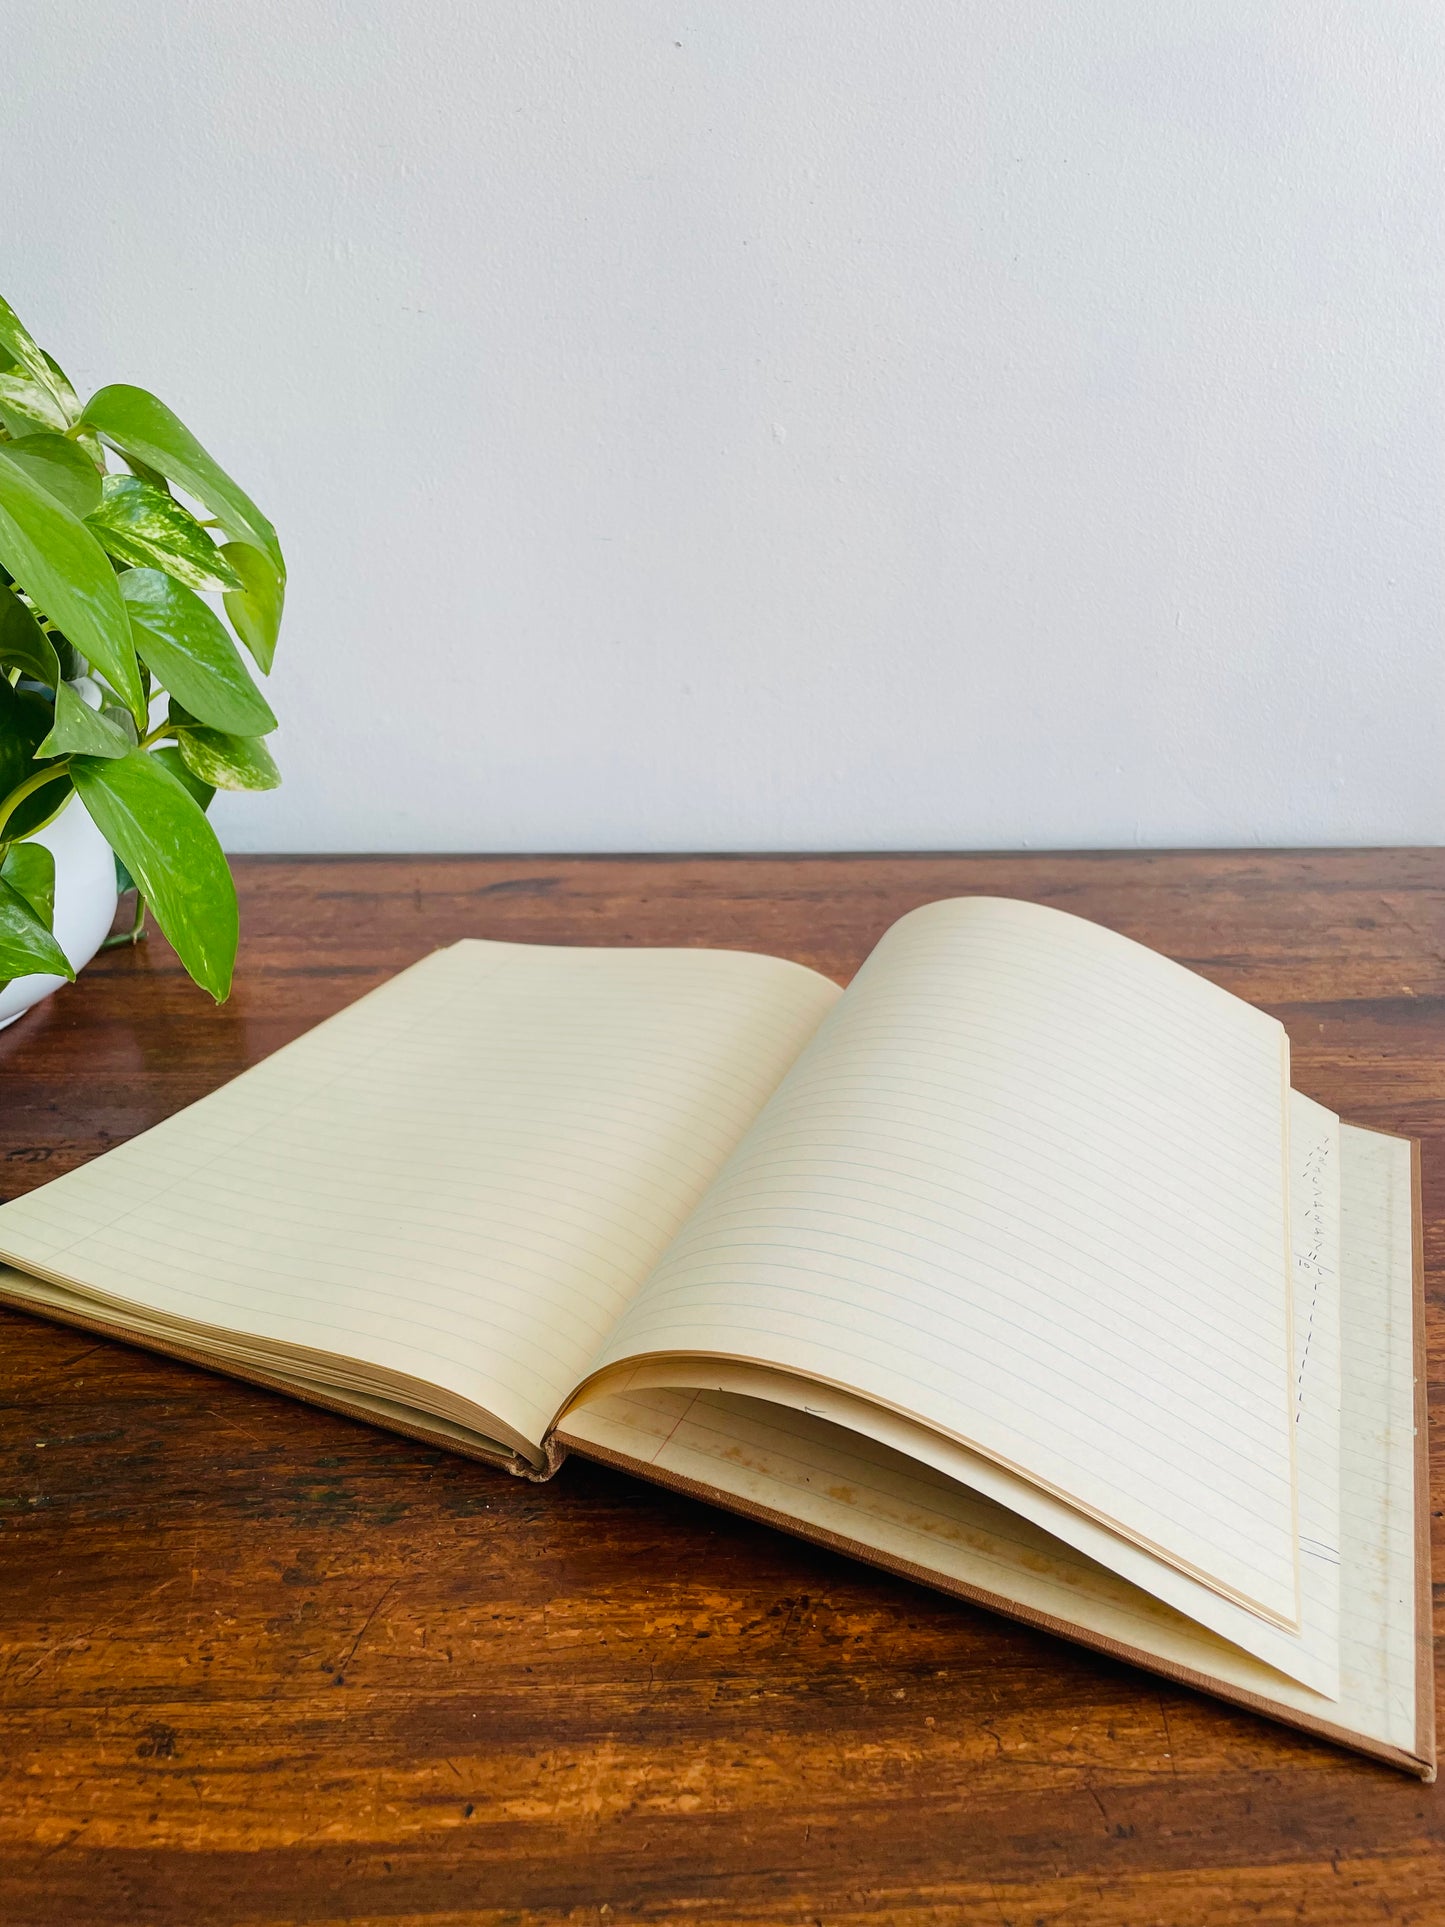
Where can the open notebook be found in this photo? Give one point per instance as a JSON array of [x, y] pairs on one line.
[[1016, 1267]]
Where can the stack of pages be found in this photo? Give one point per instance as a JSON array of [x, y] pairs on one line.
[[1017, 1267]]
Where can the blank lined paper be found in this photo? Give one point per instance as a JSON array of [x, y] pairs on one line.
[[1311, 1654], [1027, 1185], [821, 1479], [460, 1179]]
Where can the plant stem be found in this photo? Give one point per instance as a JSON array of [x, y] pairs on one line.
[[166, 728], [137, 929], [32, 783]]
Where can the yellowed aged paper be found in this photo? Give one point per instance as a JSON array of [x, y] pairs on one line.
[[1027, 1186], [1310, 1654], [452, 1187], [828, 1480]]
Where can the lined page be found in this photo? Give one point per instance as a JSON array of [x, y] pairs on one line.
[[460, 1179], [822, 1479], [1311, 1654], [1316, 1238], [1027, 1185]]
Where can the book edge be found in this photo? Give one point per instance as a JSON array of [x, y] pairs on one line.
[[1422, 1762], [1422, 1768], [1424, 1591], [325, 1402], [1422, 1765]]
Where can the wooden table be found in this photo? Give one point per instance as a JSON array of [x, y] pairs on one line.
[[261, 1665]]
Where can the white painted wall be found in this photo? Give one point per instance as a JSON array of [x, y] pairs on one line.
[[834, 423]]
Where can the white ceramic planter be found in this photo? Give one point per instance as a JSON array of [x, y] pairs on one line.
[[85, 899]]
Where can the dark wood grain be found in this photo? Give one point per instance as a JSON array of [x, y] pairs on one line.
[[261, 1665]]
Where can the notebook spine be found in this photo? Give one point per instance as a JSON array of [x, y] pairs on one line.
[[553, 1453]]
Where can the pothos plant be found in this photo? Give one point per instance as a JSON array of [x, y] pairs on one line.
[[120, 684]]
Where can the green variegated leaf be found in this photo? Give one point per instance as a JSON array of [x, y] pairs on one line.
[[22, 347], [101, 585], [229, 762], [24, 645], [29, 868], [87, 439], [59, 383], [62, 470], [170, 755], [186, 644], [28, 406], [65, 572], [143, 428], [142, 525], [148, 474], [26, 945], [255, 608], [160, 834], [79, 728]]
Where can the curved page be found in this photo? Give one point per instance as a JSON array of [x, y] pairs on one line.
[[1027, 1186], [455, 1184], [831, 1484], [1312, 1654]]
